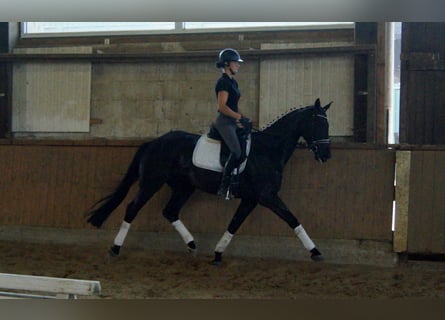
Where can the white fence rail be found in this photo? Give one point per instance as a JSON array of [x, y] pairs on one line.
[[26, 286]]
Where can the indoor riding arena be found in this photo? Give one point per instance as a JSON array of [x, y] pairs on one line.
[[74, 108]]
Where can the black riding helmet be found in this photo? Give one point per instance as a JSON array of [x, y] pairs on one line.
[[227, 55]]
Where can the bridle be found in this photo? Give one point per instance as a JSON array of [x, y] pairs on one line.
[[315, 144]]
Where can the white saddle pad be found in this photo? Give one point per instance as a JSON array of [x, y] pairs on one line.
[[206, 154]]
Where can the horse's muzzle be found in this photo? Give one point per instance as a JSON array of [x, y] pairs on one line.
[[322, 159], [321, 150]]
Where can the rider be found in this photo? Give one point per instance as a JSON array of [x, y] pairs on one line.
[[228, 94]]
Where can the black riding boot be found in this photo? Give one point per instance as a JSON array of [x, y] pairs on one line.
[[227, 173]]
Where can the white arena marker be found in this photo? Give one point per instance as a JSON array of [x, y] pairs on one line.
[[57, 287]]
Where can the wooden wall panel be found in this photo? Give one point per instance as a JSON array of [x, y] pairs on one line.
[[438, 230], [422, 119], [349, 197], [426, 218], [52, 97], [5, 98], [53, 185], [297, 82]]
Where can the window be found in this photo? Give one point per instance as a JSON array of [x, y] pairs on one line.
[[244, 25], [55, 28], [40, 29]]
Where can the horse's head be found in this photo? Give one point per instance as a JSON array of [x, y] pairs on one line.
[[317, 134], [309, 122]]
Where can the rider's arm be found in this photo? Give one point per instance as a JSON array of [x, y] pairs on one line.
[[223, 108]]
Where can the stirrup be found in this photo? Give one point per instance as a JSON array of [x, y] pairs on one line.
[[226, 193], [229, 195]]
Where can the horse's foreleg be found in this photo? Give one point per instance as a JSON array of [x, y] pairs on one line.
[[244, 209], [308, 243], [273, 202], [221, 247], [186, 237]]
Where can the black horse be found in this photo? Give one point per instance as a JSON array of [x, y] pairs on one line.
[[168, 159]]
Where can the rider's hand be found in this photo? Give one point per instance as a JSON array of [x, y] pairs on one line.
[[246, 123]]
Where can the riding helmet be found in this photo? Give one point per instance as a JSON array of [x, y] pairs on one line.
[[227, 55]]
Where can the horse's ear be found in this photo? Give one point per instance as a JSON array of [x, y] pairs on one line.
[[317, 103], [326, 107]]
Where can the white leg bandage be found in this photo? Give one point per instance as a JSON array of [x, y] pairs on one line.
[[224, 242], [304, 238], [120, 237], [182, 230]]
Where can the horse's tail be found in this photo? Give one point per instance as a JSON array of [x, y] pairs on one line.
[[110, 202]]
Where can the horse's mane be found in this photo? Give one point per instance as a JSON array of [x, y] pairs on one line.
[[284, 114]]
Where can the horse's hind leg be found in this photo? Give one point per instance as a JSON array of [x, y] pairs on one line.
[[142, 196], [245, 208], [180, 194]]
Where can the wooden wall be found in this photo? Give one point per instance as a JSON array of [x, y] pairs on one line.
[[420, 207], [51, 97], [349, 197], [422, 102], [298, 81], [138, 100], [145, 86], [426, 216]]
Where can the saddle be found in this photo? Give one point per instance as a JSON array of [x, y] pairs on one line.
[[225, 151], [211, 152]]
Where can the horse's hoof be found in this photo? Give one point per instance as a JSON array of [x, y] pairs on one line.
[[191, 249], [193, 252], [317, 257], [112, 254], [216, 263], [114, 251], [217, 260]]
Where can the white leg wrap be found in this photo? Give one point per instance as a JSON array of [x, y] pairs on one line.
[[304, 238], [182, 230], [120, 237], [223, 242]]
